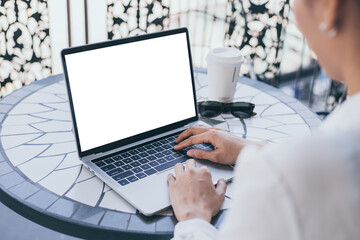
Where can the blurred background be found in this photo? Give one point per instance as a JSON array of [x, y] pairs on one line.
[[33, 32]]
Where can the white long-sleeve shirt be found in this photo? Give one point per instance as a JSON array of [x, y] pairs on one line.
[[305, 188]]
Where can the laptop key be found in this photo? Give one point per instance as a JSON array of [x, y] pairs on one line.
[[150, 172], [143, 161], [172, 138], [145, 167], [200, 146], [118, 157], [109, 160], [119, 163], [161, 160], [153, 163], [132, 179], [141, 175], [159, 155], [211, 147], [151, 158], [171, 163], [127, 160], [157, 144], [125, 155], [115, 172], [133, 152], [149, 146], [159, 149], [188, 148], [135, 164], [108, 167], [176, 155], [169, 158], [122, 175], [167, 146], [141, 149], [143, 154], [123, 182], [135, 157], [100, 163], [167, 152], [151, 152], [137, 170], [127, 167]]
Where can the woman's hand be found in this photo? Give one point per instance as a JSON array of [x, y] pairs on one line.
[[192, 193], [227, 146]]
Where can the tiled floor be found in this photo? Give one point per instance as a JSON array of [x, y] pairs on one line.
[[15, 227]]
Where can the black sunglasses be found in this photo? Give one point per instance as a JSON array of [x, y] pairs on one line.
[[238, 109]]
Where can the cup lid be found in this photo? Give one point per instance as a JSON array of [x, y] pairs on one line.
[[225, 55]]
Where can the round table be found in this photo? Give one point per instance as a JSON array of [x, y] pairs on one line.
[[42, 179]]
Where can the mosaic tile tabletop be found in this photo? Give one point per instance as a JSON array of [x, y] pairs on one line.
[[40, 168]]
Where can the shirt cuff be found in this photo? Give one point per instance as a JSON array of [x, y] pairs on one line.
[[195, 229]]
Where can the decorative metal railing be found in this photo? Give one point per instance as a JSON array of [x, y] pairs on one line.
[[24, 43], [255, 27], [263, 30]]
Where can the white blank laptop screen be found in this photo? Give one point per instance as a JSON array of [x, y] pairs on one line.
[[124, 90]]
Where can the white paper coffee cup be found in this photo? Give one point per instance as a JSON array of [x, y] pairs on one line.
[[223, 72]]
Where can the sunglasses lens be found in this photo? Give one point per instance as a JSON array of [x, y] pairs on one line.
[[241, 114], [242, 109], [209, 109]]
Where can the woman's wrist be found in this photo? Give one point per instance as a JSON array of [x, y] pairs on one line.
[[195, 214]]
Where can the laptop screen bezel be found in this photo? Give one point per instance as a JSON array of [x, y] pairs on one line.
[[138, 137]]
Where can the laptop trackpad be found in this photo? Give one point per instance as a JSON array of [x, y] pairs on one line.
[[151, 195], [217, 170]]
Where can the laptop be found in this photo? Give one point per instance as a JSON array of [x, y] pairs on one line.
[[129, 99]]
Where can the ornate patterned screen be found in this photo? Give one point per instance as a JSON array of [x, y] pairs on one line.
[[25, 54], [257, 28], [134, 17], [254, 26]]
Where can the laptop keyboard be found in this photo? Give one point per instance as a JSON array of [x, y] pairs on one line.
[[138, 163]]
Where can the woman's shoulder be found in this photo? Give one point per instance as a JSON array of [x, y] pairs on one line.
[[345, 117], [321, 156], [314, 179], [320, 174]]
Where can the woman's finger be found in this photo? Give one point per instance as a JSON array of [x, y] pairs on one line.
[[190, 164], [179, 169], [171, 179], [203, 154], [221, 188], [191, 131], [193, 140]]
